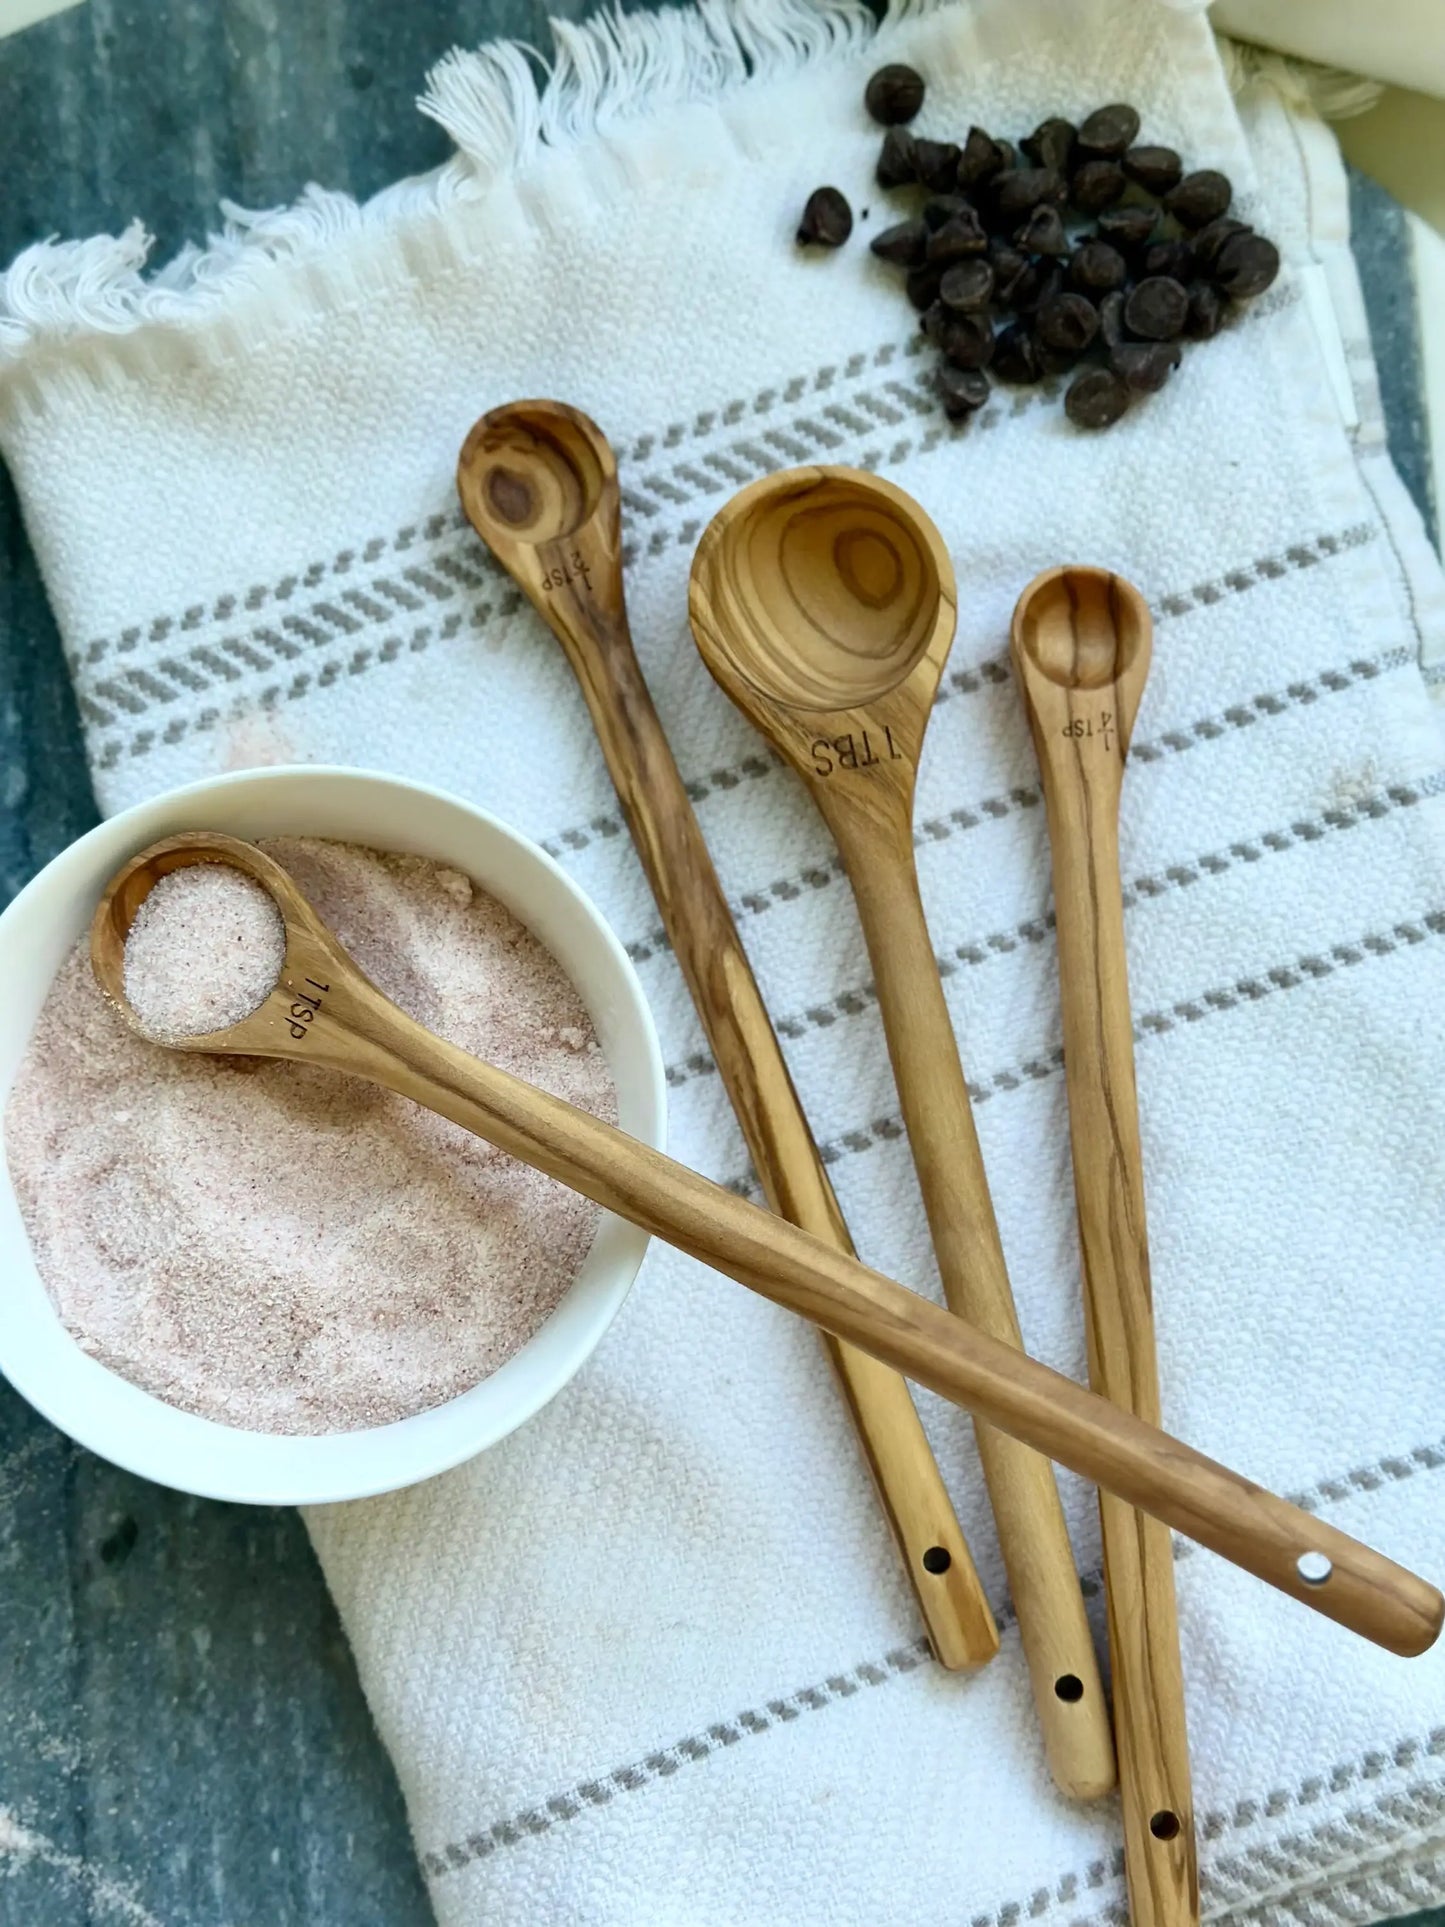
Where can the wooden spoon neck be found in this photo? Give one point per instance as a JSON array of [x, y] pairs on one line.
[[884, 876], [868, 807]]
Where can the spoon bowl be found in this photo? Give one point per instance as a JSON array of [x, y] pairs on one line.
[[270, 1029], [1085, 629], [827, 587], [534, 472]]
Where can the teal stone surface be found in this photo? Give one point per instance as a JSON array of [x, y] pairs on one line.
[[182, 1733]]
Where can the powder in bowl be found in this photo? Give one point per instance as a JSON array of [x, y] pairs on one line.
[[281, 1248], [204, 951]]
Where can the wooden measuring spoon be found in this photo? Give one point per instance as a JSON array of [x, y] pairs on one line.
[[324, 1011], [822, 600], [538, 481], [1081, 643]]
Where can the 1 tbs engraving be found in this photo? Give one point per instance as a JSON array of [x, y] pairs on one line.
[[859, 749]]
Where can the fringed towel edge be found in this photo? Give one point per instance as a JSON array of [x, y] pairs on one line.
[[501, 104]]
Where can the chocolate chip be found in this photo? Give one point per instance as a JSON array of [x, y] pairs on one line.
[[1009, 263], [1111, 319], [894, 94], [897, 159], [1096, 185], [1210, 240], [1108, 131], [1156, 309], [1246, 265], [1096, 268], [1096, 399], [1055, 361], [964, 391], [1145, 365], [939, 208], [1051, 144], [1043, 233], [1156, 169], [967, 287], [1200, 197], [1015, 358], [982, 158], [1019, 190], [937, 164], [1206, 311], [902, 244], [1066, 324], [1040, 281], [967, 340], [1128, 228], [960, 236], [1174, 258], [922, 286], [827, 219]]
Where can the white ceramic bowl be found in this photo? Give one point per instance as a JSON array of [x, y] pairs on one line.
[[141, 1433]]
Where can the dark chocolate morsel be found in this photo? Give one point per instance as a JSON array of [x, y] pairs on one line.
[[1096, 399], [1156, 169], [1156, 309], [894, 94], [827, 219]]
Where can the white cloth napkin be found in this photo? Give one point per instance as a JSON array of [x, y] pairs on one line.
[[650, 1660], [1393, 40]]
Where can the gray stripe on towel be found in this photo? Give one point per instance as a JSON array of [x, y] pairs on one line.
[[134, 688], [1036, 929], [1312, 967], [938, 829], [899, 1661]]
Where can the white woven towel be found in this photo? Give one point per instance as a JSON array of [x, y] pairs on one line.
[[651, 1660]]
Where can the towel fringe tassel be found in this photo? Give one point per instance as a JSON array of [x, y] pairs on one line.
[[500, 104]]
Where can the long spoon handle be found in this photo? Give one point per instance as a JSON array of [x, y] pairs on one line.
[[1082, 678], [361, 1033], [1069, 1694], [745, 1048], [1149, 1724]]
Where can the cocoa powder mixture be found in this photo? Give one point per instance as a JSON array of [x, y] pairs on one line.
[[204, 951], [275, 1246]]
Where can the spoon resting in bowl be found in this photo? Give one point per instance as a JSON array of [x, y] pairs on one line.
[[323, 1010]]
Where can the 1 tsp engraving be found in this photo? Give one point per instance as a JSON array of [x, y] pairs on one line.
[[303, 1009], [576, 568], [1087, 726]]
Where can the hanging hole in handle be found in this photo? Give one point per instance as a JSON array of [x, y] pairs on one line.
[[1164, 1825], [937, 1559], [1069, 1687], [1314, 1568]]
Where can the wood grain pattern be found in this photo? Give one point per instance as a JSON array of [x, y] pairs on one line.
[[358, 1031], [539, 483], [1081, 647], [823, 602]]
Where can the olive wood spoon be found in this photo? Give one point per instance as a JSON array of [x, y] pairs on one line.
[[1081, 645], [324, 1011], [538, 481], [823, 601]]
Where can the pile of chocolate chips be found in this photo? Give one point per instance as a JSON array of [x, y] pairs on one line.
[[1082, 252]]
